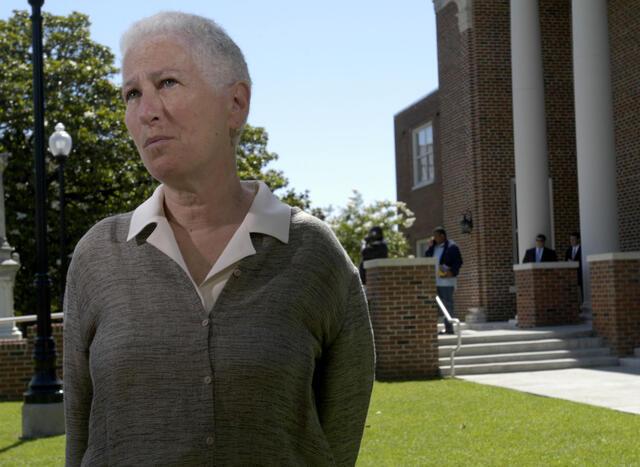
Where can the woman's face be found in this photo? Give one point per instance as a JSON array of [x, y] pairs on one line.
[[178, 122]]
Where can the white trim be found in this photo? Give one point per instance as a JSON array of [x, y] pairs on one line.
[[398, 262], [423, 184], [28, 318], [419, 242], [546, 265], [465, 12], [430, 157], [626, 256]]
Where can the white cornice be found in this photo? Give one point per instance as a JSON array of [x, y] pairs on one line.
[[465, 12], [397, 262], [549, 265], [629, 255]]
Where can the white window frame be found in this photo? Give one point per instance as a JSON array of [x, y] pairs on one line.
[[422, 246], [429, 156]]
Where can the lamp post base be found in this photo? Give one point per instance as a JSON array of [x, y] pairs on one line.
[[42, 420]]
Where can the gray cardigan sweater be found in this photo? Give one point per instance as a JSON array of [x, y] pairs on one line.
[[278, 373]]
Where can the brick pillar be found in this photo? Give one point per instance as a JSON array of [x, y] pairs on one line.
[[17, 365], [404, 316], [615, 296], [547, 294]]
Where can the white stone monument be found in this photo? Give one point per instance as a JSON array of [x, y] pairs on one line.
[[9, 265]]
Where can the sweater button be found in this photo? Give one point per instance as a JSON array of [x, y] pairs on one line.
[[205, 323], [237, 272], [210, 441], [207, 380]]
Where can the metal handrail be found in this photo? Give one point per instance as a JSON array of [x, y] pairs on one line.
[[456, 322], [28, 318]]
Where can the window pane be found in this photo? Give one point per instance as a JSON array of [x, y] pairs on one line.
[[429, 134]]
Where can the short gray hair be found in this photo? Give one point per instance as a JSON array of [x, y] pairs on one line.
[[215, 53]]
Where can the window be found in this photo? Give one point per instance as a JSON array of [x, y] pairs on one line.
[[423, 169], [421, 247]]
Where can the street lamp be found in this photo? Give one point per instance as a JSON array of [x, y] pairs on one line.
[[60, 146], [42, 412]]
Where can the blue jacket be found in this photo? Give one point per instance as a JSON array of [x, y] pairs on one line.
[[451, 256]]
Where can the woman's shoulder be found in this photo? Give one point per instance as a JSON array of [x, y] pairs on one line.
[[104, 234], [312, 230], [313, 235]]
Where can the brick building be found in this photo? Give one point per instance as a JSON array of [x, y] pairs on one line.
[[523, 132]]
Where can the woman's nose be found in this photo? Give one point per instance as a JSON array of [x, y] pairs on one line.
[[150, 108]]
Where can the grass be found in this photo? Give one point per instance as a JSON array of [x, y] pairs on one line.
[[441, 422], [454, 422], [15, 452]]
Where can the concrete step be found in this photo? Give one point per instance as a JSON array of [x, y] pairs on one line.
[[509, 335], [637, 352], [536, 345], [463, 326], [535, 365], [633, 362], [527, 356]]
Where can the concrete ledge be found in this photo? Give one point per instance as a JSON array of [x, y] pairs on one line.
[[628, 256], [42, 420], [397, 262], [552, 265]]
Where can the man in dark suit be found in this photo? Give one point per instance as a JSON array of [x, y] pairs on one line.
[[574, 253], [375, 248], [540, 254]]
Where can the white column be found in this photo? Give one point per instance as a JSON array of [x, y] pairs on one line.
[[8, 267], [594, 133], [529, 125]]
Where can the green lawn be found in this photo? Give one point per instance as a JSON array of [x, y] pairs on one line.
[[14, 452], [442, 422], [454, 422]]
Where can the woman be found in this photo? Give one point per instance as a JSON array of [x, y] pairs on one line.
[[214, 325]]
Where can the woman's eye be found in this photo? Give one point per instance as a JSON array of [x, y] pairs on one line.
[[168, 82], [131, 94]]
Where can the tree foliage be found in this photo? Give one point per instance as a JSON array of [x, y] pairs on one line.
[[104, 174], [252, 159], [352, 223]]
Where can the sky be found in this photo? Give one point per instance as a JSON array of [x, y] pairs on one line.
[[328, 78]]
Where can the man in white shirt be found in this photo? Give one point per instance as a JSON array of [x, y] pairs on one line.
[[574, 253]]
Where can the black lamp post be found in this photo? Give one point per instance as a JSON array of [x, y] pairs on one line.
[[60, 146], [44, 388]]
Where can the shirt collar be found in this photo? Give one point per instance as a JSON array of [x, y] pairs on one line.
[[267, 214]]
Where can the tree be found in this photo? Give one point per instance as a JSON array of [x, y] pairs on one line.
[[253, 157], [352, 223], [104, 174]]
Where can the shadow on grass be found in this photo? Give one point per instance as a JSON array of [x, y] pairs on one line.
[[20, 442]]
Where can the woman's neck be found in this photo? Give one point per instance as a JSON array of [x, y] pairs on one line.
[[209, 206]]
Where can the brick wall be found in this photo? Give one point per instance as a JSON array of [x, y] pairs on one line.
[[475, 137], [426, 201], [615, 296], [16, 363], [401, 294], [624, 37], [547, 294], [459, 167], [557, 55], [492, 141]]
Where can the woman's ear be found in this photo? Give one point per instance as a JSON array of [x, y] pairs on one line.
[[240, 99]]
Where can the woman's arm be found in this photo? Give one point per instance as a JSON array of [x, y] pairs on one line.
[[345, 379], [78, 390]]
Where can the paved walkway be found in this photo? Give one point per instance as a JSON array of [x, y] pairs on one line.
[[616, 388]]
